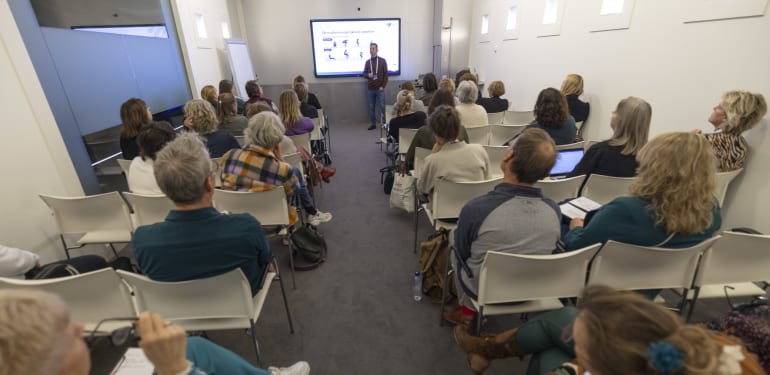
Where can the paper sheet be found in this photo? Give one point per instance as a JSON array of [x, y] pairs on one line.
[[585, 204], [134, 362], [571, 211]]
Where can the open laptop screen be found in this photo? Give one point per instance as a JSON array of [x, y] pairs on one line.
[[566, 160]]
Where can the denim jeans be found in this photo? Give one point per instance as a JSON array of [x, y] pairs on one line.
[[215, 360], [302, 193], [376, 98]]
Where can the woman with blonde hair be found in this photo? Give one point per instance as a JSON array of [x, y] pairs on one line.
[[406, 117], [737, 112], [209, 94], [199, 117], [495, 104], [288, 109], [417, 104], [312, 99], [227, 114], [612, 332], [134, 113], [572, 88], [672, 201], [616, 157]]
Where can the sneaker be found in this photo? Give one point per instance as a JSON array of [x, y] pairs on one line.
[[299, 368], [319, 217]]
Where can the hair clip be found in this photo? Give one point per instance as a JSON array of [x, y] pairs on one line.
[[665, 357]]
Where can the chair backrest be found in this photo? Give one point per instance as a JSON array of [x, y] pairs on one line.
[[632, 267], [561, 189], [450, 197], [602, 189], [588, 144], [224, 296], [149, 209], [736, 257], [241, 139], [478, 135], [579, 125], [91, 297], [322, 118], [125, 165], [294, 159], [496, 154], [570, 146], [405, 137], [269, 207], [420, 153], [508, 277], [388, 113], [495, 118], [518, 117], [218, 175], [316, 135], [499, 134], [101, 212], [723, 181], [302, 140]]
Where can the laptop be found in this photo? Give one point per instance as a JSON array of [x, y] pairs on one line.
[[566, 160]]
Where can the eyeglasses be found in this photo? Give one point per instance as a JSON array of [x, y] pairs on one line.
[[118, 336]]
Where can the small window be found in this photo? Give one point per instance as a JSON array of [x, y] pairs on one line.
[[551, 13], [225, 30], [513, 13], [200, 26], [612, 7], [485, 24]]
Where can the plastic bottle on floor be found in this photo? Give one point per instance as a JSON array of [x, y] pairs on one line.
[[417, 287]]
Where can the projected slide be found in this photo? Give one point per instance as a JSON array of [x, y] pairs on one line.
[[341, 47]]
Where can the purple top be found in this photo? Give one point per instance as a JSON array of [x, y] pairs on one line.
[[304, 125]]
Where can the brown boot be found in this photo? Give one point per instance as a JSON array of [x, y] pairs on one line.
[[327, 173], [483, 349], [457, 317]]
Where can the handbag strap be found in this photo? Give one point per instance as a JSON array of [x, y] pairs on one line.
[[670, 236]]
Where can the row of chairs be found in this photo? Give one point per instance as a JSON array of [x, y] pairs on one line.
[[215, 303], [724, 265]]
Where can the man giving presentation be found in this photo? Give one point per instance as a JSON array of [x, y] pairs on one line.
[[376, 73]]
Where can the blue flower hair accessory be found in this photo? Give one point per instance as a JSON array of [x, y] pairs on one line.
[[665, 357]]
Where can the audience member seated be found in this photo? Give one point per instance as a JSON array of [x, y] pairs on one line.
[[227, 114], [449, 85], [141, 173], [737, 112], [209, 94], [424, 136], [429, 87], [305, 108], [612, 332], [552, 115], [287, 145], [134, 113], [288, 109], [450, 158], [255, 93], [495, 104], [197, 241], [472, 115], [312, 99], [616, 157], [513, 218], [259, 166], [22, 264], [417, 105], [226, 86], [199, 117], [407, 117], [38, 338], [572, 88]]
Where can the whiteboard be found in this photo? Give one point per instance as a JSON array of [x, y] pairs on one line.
[[240, 64]]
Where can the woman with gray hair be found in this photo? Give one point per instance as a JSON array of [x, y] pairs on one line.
[[38, 338], [259, 165], [472, 115], [199, 116]]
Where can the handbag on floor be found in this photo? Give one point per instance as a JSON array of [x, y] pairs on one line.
[[434, 255], [402, 194], [310, 246]]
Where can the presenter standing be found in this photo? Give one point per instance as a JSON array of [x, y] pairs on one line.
[[376, 73]]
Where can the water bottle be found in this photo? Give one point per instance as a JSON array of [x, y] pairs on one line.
[[417, 286]]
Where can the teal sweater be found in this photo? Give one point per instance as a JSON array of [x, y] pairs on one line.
[[629, 220]]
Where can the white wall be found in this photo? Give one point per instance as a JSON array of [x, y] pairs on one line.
[[459, 12], [681, 69], [35, 158]]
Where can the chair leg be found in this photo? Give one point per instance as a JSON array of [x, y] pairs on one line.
[[113, 251], [291, 263], [692, 303], [479, 316], [64, 245], [254, 340], [285, 301], [448, 273]]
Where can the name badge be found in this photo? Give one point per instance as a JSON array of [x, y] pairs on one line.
[[374, 77]]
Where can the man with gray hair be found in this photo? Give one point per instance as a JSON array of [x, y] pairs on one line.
[[197, 241], [514, 218], [472, 115]]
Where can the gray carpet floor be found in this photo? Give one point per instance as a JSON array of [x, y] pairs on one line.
[[355, 314]]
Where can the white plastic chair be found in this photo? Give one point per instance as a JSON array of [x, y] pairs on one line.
[[302, 140], [241, 140], [570, 146], [214, 303], [495, 118], [316, 135], [90, 297], [518, 117], [478, 135], [499, 134], [537, 281], [559, 190], [632, 267], [101, 218], [420, 153], [294, 159], [148, 209], [588, 144], [327, 133], [602, 189], [218, 175], [125, 165], [270, 207], [723, 182], [405, 138], [496, 154], [731, 266]]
